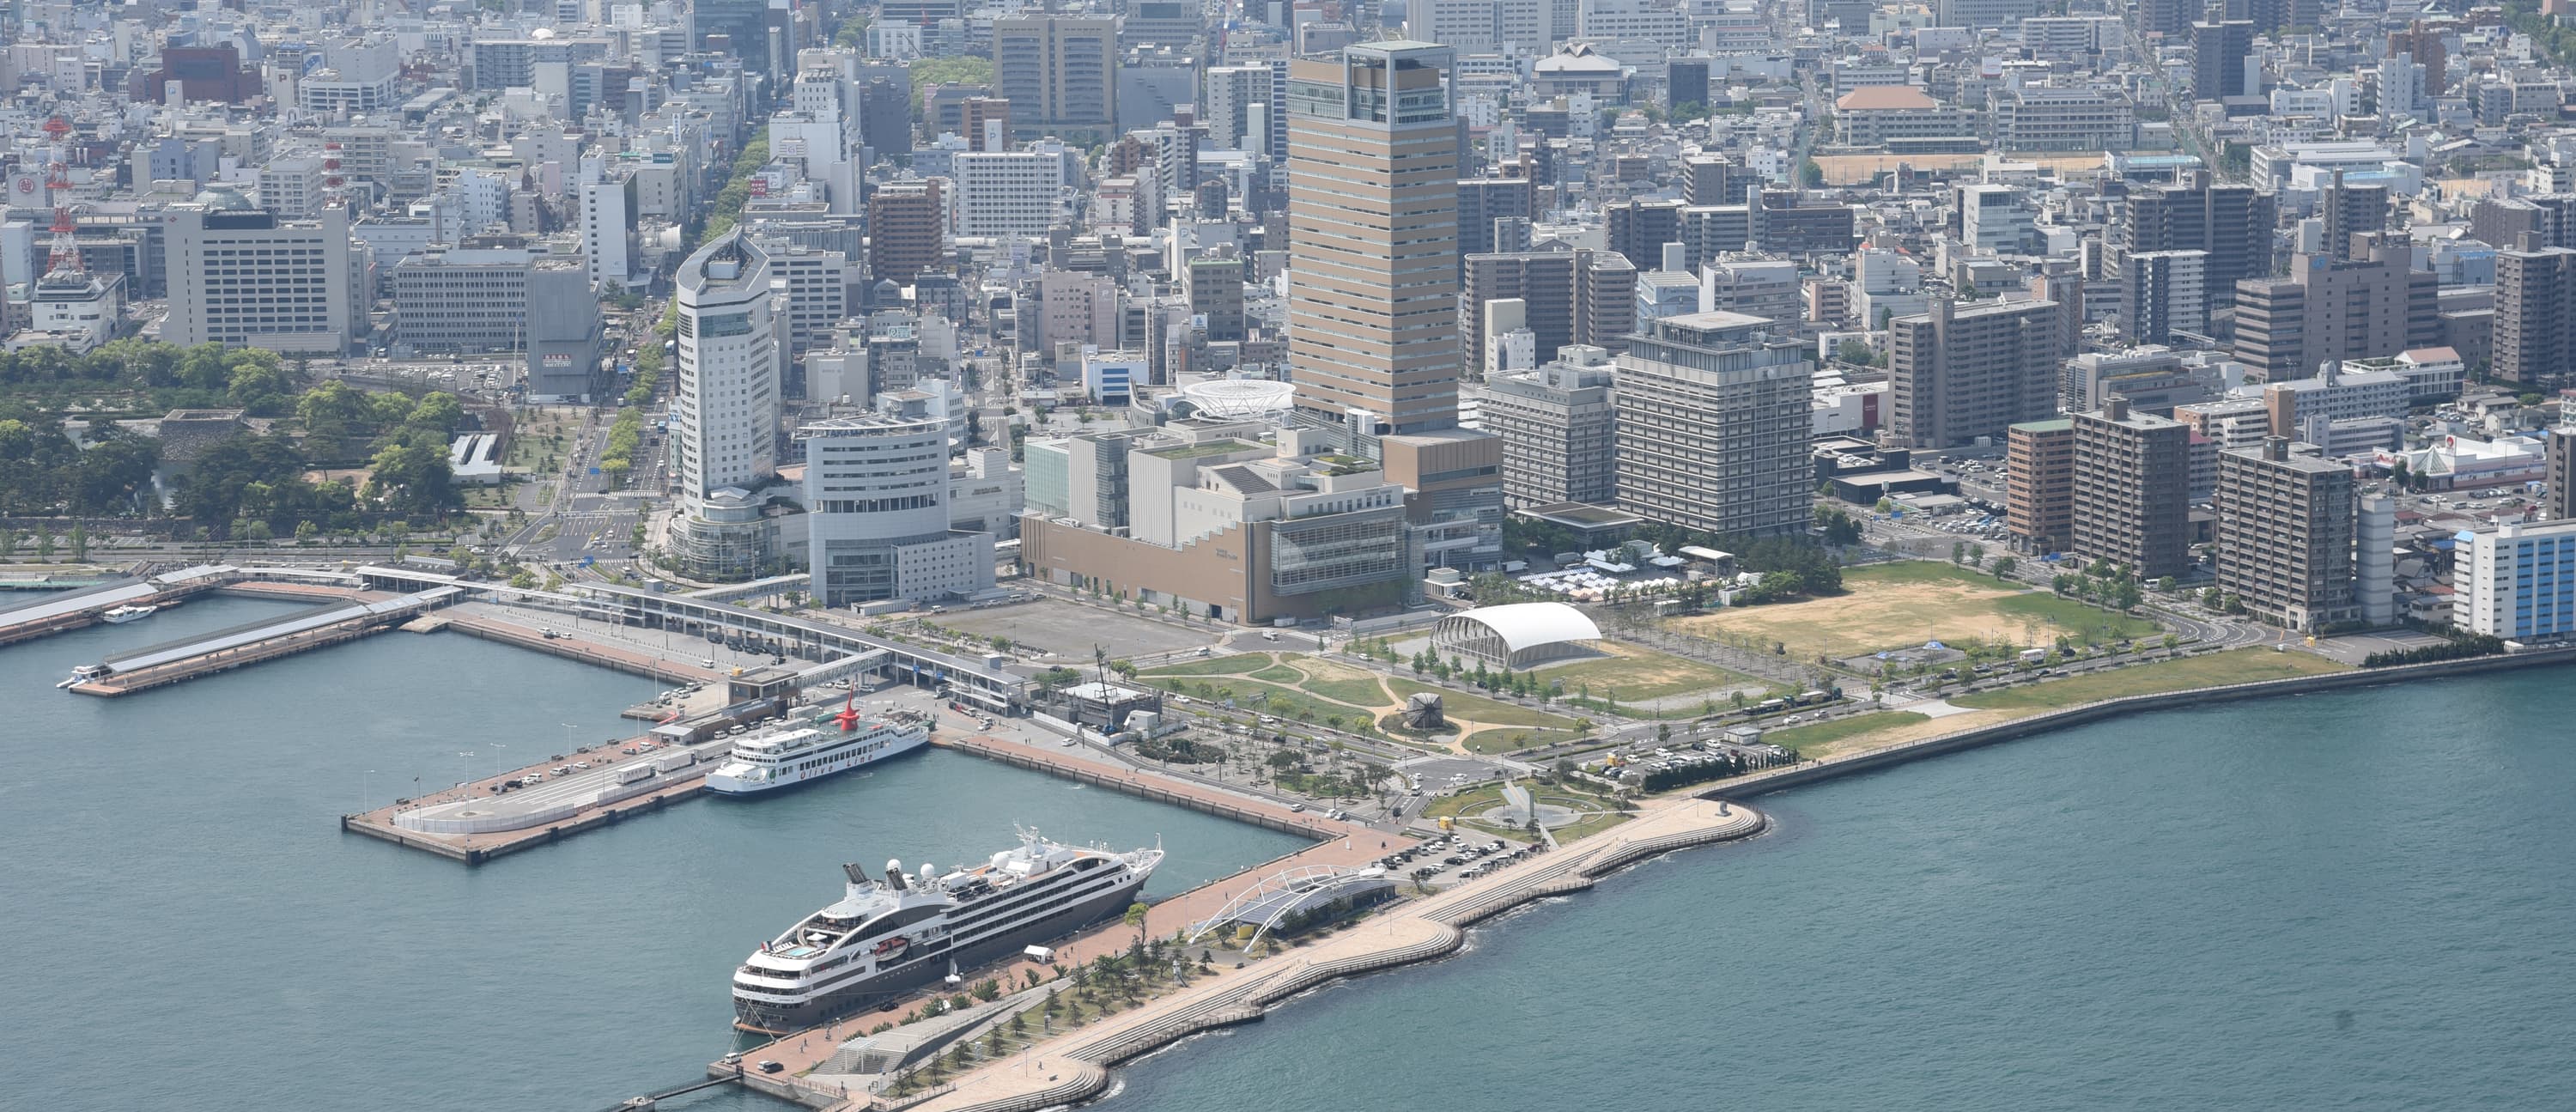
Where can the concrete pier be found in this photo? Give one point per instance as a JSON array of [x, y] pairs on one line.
[[252, 643], [1074, 1066]]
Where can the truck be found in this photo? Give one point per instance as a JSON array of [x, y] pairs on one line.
[[675, 762], [2033, 656], [634, 772]]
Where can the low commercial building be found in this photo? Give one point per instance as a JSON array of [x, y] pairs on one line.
[[2515, 581]]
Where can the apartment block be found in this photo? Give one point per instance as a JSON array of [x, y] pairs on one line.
[[2039, 495], [2285, 527], [2132, 490], [1957, 374]]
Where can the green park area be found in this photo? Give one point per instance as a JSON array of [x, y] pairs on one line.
[[1325, 692], [2210, 670]]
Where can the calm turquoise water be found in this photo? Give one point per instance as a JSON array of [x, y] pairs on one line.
[[2357, 901], [183, 925]]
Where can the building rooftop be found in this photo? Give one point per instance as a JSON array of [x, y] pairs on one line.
[[1885, 98]]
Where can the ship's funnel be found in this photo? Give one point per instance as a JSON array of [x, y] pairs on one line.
[[894, 873]]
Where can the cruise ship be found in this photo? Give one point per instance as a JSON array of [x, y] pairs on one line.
[[888, 936], [777, 759]]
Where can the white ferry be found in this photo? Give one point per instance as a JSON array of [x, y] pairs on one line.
[[801, 755], [887, 937], [124, 614]]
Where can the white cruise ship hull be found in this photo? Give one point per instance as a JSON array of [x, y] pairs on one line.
[[926, 968], [721, 783]]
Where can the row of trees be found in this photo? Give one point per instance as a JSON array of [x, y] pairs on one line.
[[174, 376], [623, 438], [43, 471], [2461, 646]]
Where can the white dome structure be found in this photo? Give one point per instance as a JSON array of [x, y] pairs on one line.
[[1517, 635], [1235, 399]]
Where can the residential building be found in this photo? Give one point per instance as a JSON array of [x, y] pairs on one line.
[[2219, 51], [907, 229], [2163, 293], [1558, 426], [1960, 373], [1481, 202], [2341, 411], [1713, 418], [1570, 297], [2560, 501], [1995, 219], [2515, 581], [2331, 310], [877, 517], [2132, 490], [2285, 528], [2535, 315], [2039, 495], [2231, 222]]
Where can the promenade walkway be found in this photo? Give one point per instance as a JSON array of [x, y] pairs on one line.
[[1074, 1066]]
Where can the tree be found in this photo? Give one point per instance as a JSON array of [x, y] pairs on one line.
[[1135, 917], [2004, 566], [80, 542]]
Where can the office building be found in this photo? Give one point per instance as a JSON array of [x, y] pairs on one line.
[[2535, 310], [1960, 373], [907, 229], [2515, 581], [724, 414], [244, 277], [2285, 529], [877, 516], [2330, 310], [2346, 210], [1558, 427], [567, 337], [2132, 490], [1059, 72], [1007, 193], [1215, 289], [2039, 495], [1372, 290], [357, 75], [1481, 201], [1713, 419], [1234, 103], [610, 214]]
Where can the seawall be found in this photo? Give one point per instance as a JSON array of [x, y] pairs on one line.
[[2101, 710]]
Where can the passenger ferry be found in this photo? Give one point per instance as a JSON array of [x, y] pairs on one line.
[[799, 755], [124, 614], [888, 936]]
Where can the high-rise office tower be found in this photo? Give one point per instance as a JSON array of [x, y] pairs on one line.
[[2535, 301], [1373, 238], [242, 277], [724, 418], [1958, 373], [2133, 490], [2231, 222], [2285, 527], [1714, 418], [1060, 72]]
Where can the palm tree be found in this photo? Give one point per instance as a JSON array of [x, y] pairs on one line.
[[1136, 918]]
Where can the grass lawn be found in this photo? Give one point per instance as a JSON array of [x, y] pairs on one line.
[[1508, 739], [2236, 666], [1491, 795], [1903, 604], [1639, 674], [1818, 739], [1358, 691], [1213, 666], [1280, 673], [1484, 711]]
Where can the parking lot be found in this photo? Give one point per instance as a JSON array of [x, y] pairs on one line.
[[1068, 630]]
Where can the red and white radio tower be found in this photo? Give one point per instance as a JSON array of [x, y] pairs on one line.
[[65, 258]]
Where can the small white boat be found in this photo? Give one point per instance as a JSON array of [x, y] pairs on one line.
[[83, 674], [124, 614]]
